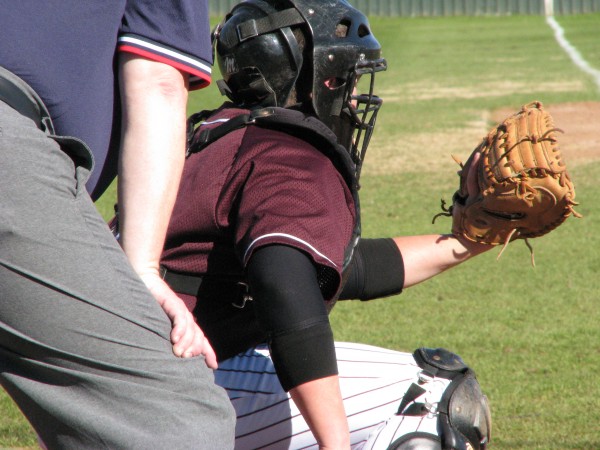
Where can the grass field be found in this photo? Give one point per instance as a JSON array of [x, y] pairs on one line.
[[531, 334]]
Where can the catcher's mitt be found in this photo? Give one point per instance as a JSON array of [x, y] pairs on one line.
[[524, 190]]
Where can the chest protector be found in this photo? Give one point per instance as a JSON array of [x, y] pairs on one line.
[[295, 123]]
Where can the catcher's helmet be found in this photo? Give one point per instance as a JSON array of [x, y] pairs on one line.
[[305, 54]]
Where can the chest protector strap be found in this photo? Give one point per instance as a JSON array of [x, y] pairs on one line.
[[292, 122]]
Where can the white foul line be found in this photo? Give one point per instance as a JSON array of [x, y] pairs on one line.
[[573, 53]]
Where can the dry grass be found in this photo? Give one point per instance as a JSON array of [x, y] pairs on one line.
[[431, 151]]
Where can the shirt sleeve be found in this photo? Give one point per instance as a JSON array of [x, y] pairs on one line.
[[176, 32]]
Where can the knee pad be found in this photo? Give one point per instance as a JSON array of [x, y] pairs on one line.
[[464, 420], [443, 409]]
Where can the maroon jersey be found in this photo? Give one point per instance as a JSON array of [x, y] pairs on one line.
[[251, 188]]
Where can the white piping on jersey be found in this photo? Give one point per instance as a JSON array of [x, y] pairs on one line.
[[180, 56], [287, 236], [214, 121]]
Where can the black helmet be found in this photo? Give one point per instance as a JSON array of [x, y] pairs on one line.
[[307, 54]]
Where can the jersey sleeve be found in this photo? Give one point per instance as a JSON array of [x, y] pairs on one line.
[[176, 32], [294, 196]]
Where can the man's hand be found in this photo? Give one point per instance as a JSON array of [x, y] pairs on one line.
[[187, 337]]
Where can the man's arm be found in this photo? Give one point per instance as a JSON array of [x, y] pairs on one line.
[[429, 255], [383, 267], [290, 308], [154, 99]]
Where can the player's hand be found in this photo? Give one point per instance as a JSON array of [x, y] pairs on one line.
[[473, 190], [472, 185], [186, 336]]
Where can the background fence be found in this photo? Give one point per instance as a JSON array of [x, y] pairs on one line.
[[420, 8]]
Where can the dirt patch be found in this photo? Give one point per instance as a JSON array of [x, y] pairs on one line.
[[580, 122], [430, 152]]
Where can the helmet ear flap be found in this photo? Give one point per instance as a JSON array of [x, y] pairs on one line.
[[248, 87]]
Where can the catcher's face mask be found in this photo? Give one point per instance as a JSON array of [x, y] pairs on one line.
[[356, 121]]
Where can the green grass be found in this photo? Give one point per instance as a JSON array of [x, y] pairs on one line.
[[531, 334], [443, 72]]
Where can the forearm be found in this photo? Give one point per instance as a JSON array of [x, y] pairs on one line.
[[425, 256], [154, 97], [321, 405]]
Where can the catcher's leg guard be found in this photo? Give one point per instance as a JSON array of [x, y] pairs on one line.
[[443, 409], [417, 441]]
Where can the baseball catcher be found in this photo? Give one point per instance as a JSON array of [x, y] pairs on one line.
[[265, 238], [524, 190]]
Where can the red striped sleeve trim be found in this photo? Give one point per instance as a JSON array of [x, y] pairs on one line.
[[200, 71]]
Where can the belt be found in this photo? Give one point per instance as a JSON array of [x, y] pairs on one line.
[[21, 97], [181, 283], [190, 285], [18, 95]]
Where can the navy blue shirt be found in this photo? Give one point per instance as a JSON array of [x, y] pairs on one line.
[[65, 50]]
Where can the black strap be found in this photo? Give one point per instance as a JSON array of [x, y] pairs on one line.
[[181, 283], [413, 392], [23, 99], [199, 140], [272, 22], [190, 285], [208, 136]]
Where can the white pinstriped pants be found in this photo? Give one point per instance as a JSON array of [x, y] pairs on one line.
[[373, 382]]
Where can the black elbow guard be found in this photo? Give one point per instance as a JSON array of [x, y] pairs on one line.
[[300, 356]]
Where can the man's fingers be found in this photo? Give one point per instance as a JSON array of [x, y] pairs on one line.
[[186, 336], [209, 354], [181, 335], [194, 343]]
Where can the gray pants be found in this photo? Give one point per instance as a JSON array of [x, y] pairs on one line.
[[84, 347]]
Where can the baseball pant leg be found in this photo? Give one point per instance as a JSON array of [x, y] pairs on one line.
[[373, 382]]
